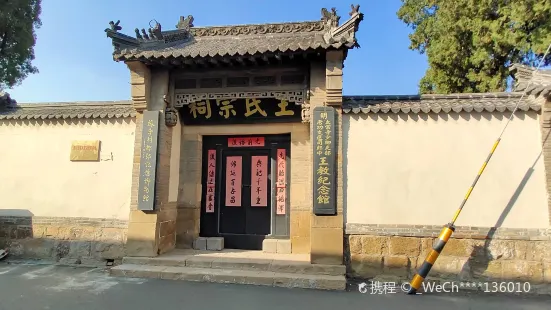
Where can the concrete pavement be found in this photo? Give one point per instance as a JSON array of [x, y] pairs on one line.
[[31, 286]]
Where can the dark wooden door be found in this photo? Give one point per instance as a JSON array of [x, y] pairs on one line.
[[245, 200]]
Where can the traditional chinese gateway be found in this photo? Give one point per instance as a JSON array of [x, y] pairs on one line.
[[248, 121], [239, 138]]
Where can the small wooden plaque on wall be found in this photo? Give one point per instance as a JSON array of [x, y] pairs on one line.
[[85, 150]]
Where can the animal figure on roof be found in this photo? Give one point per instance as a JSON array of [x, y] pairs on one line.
[[185, 23], [115, 26], [355, 9]]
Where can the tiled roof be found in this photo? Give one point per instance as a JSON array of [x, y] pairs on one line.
[[190, 41], [438, 103], [532, 82], [231, 46], [67, 110]]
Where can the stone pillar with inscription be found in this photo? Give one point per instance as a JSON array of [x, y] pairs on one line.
[[150, 212], [142, 226], [167, 177], [327, 219]]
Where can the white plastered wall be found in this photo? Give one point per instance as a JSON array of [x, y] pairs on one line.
[[416, 169], [37, 176]]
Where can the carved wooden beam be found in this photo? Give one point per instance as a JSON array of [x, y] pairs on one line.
[[279, 58], [214, 62], [227, 61], [165, 62], [145, 61], [189, 63], [240, 60], [200, 62], [176, 62], [294, 97]]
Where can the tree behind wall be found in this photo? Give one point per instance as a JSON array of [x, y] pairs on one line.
[[470, 43], [18, 21]]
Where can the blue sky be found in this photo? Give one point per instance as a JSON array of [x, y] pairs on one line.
[[74, 58]]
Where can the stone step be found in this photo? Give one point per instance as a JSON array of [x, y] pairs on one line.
[[251, 264], [213, 275]]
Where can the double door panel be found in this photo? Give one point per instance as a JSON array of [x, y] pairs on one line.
[[239, 199], [245, 193]]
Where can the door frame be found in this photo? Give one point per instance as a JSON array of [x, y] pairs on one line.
[[244, 226], [210, 222]]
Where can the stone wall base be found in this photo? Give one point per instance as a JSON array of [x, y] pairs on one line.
[[84, 241], [398, 258]]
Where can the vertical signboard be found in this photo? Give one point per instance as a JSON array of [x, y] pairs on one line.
[[323, 120], [234, 171], [148, 161], [281, 185], [259, 180], [211, 181]]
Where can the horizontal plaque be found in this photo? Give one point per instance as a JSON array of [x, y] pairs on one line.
[[242, 110], [245, 141], [85, 150]]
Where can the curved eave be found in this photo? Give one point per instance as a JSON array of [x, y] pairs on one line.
[[455, 103], [155, 55], [76, 115], [64, 111]]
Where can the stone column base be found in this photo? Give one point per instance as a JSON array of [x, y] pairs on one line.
[[327, 239], [143, 234]]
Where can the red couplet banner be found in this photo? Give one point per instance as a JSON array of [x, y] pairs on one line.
[[234, 171], [211, 180], [259, 181], [280, 182]]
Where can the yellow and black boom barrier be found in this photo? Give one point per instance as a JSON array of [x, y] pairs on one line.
[[449, 229], [446, 233], [431, 259]]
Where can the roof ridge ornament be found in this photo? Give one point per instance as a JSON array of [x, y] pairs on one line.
[[155, 33], [326, 33], [530, 80], [331, 19], [185, 23], [119, 39], [344, 33], [115, 26], [355, 9]]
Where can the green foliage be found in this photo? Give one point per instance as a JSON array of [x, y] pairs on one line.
[[470, 43], [18, 21]]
